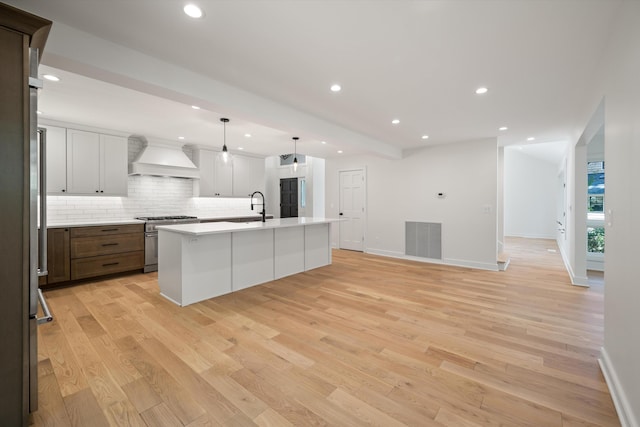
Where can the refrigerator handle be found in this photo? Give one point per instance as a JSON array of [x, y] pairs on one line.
[[42, 176], [45, 308]]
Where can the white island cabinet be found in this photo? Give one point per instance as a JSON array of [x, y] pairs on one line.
[[202, 261]]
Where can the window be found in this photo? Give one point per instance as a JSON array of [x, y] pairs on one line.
[[595, 208], [595, 240], [287, 159], [595, 189]]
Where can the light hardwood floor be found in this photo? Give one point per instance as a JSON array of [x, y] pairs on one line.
[[365, 341]]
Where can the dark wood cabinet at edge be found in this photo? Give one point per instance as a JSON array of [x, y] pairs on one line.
[[58, 257]]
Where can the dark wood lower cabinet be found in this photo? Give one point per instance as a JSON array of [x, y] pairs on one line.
[[58, 255], [83, 268], [86, 252], [98, 251]]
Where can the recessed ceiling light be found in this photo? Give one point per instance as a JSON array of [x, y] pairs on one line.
[[181, 137], [240, 148], [247, 135], [193, 11], [51, 77], [195, 107], [336, 88], [323, 142], [503, 128], [530, 138], [339, 151], [395, 121], [482, 90], [38, 112], [425, 136]]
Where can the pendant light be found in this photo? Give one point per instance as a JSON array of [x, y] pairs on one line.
[[295, 153], [225, 152]]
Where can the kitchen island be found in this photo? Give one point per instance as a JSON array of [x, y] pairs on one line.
[[201, 261]]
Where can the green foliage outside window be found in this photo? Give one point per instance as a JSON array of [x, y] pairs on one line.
[[595, 239]]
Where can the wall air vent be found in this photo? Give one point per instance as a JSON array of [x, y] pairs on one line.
[[423, 239]]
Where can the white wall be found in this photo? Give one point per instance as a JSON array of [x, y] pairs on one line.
[[530, 186], [406, 190], [621, 352]]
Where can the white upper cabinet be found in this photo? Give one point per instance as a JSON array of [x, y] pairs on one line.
[[216, 176], [224, 177], [239, 177], [56, 149], [248, 175], [113, 165], [96, 164], [205, 161]]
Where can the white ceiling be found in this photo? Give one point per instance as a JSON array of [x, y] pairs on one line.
[[418, 61]]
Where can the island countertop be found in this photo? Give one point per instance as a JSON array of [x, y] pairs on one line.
[[203, 229]]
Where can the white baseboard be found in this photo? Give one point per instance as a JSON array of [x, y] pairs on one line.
[[596, 265], [472, 264], [620, 400], [532, 236], [575, 280], [502, 266], [452, 262], [382, 252]]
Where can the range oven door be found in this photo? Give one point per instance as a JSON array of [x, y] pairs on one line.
[[150, 252]]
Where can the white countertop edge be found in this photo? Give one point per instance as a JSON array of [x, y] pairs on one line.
[[93, 222], [232, 227]]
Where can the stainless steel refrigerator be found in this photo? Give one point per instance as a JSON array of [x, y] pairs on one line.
[[22, 202]]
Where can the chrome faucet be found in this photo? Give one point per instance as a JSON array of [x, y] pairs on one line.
[[263, 213]]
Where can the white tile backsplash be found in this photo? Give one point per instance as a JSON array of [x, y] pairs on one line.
[[148, 196]]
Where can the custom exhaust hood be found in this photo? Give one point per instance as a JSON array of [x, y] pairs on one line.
[[162, 158]]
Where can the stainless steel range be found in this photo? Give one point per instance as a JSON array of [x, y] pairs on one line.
[[151, 236]]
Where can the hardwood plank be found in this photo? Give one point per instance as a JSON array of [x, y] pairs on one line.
[[141, 395], [178, 400], [240, 397], [449, 418], [83, 409], [51, 411], [64, 362], [160, 416], [365, 340], [270, 418], [364, 412]]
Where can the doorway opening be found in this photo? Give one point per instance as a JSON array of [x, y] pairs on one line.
[[288, 197]]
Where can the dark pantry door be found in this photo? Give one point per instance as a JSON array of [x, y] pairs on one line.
[[288, 197]]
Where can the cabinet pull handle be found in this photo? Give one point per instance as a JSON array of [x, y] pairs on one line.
[[110, 264], [110, 244], [109, 229]]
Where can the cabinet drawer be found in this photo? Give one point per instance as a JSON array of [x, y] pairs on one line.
[[82, 247], [106, 230], [107, 264]]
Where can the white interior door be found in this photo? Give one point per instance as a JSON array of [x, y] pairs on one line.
[[352, 191]]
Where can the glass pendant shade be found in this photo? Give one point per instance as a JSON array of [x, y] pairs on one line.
[[295, 153], [225, 151]]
